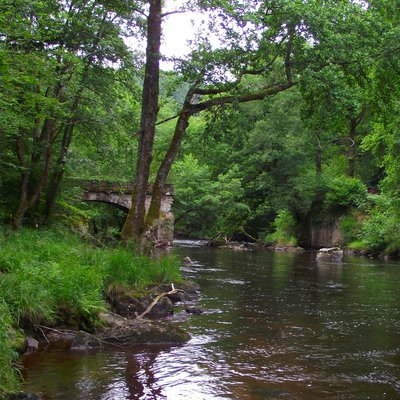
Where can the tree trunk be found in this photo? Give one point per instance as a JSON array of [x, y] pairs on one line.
[[134, 224], [58, 173], [165, 167], [23, 195]]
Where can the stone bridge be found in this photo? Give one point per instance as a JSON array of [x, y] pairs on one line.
[[120, 195]]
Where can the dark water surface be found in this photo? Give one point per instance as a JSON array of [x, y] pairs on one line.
[[276, 326]]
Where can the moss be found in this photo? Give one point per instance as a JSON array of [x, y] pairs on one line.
[[17, 339]]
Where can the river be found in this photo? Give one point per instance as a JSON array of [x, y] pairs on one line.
[[275, 326]]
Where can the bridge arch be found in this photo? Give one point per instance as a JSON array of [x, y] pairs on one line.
[[120, 196]]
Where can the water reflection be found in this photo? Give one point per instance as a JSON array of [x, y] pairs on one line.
[[276, 326]]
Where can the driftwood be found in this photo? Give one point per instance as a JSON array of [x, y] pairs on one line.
[[158, 298]]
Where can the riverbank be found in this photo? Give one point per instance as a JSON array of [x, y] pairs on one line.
[[55, 280]]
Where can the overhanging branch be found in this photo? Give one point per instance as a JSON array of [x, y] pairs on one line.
[[243, 98]]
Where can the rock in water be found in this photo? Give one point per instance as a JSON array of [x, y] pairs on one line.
[[330, 254], [31, 344], [139, 331], [194, 310]]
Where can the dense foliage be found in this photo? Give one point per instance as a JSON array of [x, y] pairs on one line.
[[295, 109]]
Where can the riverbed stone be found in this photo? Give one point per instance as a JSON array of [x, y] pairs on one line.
[[288, 249], [31, 344], [130, 306], [84, 341], [110, 319], [194, 310], [141, 331], [330, 254]]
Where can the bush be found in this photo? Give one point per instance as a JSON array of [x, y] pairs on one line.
[[285, 229], [381, 232], [345, 191], [350, 226], [378, 231]]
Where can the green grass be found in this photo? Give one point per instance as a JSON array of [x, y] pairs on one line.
[[47, 276], [8, 377]]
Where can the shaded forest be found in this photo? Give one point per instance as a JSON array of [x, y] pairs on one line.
[[292, 115]]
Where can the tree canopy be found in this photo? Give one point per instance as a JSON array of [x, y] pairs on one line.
[[280, 107]]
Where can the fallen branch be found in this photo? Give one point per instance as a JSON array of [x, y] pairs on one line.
[[158, 298], [60, 331], [242, 230], [44, 335]]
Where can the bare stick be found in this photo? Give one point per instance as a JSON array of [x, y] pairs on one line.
[[157, 299]]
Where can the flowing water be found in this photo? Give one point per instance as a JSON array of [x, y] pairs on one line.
[[275, 326]]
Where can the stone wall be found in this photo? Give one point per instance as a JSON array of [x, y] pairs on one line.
[[325, 234], [321, 231]]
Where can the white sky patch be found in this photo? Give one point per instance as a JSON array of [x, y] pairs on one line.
[[178, 30]]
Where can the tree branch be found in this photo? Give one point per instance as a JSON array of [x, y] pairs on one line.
[[167, 119], [174, 12], [268, 91], [157, 299]]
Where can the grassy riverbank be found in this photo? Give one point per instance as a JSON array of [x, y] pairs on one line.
[[54, 277]]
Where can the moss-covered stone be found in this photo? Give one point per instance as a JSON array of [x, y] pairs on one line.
[[146, 332]]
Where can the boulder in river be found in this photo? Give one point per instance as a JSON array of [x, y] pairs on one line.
[[85, 341], [330, 254], [131, 305], [141, 331]]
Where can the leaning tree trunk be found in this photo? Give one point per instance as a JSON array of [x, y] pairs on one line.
[[165, 167], [187, 111], [134, 224]]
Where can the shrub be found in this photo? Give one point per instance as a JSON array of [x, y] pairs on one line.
[[285, 229], [345, 191], [350, 226]]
